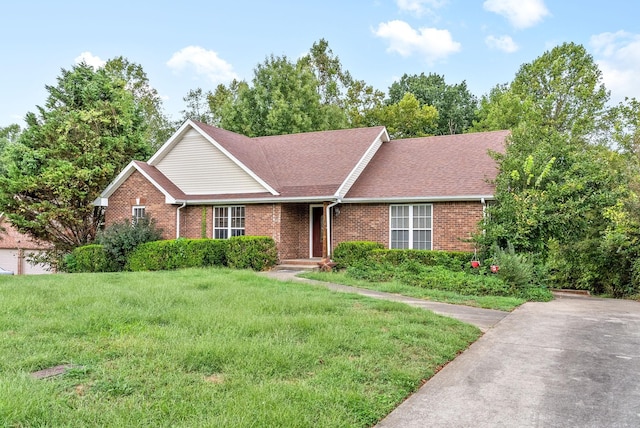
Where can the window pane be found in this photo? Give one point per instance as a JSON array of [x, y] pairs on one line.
[[422, 217], [421, 239], [399, 216], [400, 239], [220, 234], [221, 217], [138, 212], [228, 221]]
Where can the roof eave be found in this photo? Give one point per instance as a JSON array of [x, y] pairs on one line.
[[426, 198], [103, 200]]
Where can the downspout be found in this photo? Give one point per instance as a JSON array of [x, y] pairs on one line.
[[184, 204], [329, 227], [484, 214]]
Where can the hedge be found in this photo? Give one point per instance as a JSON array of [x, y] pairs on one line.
[[352, 252], [452, 260], [88, 258], [252, 252], [177, 254]]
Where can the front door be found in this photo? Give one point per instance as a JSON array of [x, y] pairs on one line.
[[316, 231]]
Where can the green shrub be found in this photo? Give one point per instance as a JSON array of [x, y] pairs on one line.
[[373, 272], [353, 252], [412, 271], [517, 270], [120, 239], [453, 260], [88, 258], [177, 254], [252, 252]]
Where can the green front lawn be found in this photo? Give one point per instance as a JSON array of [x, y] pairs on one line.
[[210, 347], [502, 303]]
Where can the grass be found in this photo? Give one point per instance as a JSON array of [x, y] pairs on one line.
[[210, 347], [502, 303]]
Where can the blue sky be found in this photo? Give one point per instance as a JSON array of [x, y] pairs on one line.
[[186, 45]]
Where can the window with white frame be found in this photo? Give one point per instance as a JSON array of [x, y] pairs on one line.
[[137, 212], [410, 226], [228, 221]]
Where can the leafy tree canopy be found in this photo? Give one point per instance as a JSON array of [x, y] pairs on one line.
[[407, 118], [89, 128], [158, 126], [455, 104]]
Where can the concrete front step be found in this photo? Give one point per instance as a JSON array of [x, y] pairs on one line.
[[299, 264]]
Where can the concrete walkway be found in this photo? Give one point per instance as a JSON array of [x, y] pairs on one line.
[[572, 362]]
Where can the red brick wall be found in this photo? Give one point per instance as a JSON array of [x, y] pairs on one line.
[[191, 221], [361, 222], [294, 239], [288, 224], [124, 198], [454, 223]]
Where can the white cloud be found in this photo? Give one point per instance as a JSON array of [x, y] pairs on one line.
[[420, 7], [618, 56], [204, 62], [503, 43], [430, 43], [90, 59], [520, 13]]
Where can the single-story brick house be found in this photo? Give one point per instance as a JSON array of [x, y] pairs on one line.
[[311, 191]]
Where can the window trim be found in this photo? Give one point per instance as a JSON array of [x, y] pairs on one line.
[[229, 228], [135, 208], [410, 228]]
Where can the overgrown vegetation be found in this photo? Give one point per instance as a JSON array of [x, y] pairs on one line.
[[200, 347], [252, 252], [516, 276], [120, 239], [567, 187]]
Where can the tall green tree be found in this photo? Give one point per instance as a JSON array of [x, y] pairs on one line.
[[313, 93], [158, 127], [198, 106], [455, 104], [407, 118], [282, 99], [561, 90], [89, 128], [8, 135], [559, 189]]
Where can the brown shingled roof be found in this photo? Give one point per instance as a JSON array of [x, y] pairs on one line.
[[316, 163], [443, 166], [161, 180]]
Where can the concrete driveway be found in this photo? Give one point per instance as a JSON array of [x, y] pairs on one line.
[[572, 362]]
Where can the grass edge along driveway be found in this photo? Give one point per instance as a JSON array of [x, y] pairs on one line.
[[210, 347]]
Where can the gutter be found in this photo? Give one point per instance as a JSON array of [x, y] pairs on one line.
[[318, 199], [184, 204]]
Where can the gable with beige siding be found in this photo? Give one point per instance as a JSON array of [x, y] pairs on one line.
[[198, 167]]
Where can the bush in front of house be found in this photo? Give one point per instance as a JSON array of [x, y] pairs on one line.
[[453, 260], [88, 258], [252, 252], [351, 253], [120, 239], [451, 271], [177, 254]]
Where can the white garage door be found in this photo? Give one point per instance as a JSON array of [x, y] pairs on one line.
[[10, 260]]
